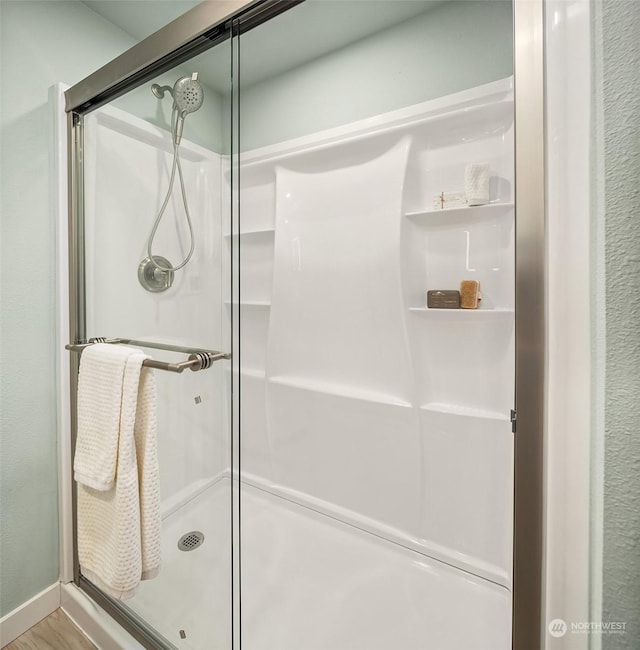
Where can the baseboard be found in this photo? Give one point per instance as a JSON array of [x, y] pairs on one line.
[[28, 614], [95, 623]]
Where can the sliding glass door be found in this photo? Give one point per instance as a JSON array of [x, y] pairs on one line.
[[157, 275], [317, 215], [376, 303]]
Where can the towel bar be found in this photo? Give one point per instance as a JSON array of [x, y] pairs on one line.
[[197, 360]]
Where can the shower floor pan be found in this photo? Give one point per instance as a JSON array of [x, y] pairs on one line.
[[310, 582]]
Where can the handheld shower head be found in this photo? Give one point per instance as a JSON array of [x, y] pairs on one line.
[[188, 96]]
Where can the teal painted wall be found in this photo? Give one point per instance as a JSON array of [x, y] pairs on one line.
[[42, 43], [454, 46]]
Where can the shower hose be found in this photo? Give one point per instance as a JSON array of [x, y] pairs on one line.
[[175, 165]]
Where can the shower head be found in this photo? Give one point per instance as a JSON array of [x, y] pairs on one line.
[[187, 98], [188, 94]]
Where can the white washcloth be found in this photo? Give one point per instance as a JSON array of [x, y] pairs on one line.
[[119, 528]]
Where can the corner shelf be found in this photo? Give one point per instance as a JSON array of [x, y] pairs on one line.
[[338, 390], [462, 313], [254, 373], [258, 304], [263, 232], [455, 216]]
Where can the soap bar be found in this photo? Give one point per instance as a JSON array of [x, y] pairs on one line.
[[447, 200], [443, 299], [470, 295]]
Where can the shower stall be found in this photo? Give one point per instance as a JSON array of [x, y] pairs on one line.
[[261, 196]]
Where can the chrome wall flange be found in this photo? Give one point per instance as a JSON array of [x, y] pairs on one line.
[[152, 275]]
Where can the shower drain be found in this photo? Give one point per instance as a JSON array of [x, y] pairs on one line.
[[191, 541]]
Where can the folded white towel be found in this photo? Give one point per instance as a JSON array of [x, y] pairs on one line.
[[119, 528], [477, 177], [148, 475], [99, 406]]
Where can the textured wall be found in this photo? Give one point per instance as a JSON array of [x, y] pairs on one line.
[[620, 29]]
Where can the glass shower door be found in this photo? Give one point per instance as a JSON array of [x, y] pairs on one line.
[[144, 287], [375, 146], [359, 438]]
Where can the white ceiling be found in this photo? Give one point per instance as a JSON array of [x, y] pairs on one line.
[[303, 33]]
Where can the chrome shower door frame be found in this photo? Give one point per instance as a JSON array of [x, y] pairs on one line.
[[211, 22], [529, 629]]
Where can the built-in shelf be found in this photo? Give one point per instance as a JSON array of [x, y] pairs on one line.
[[462, 313], [263, 232], [454, 216], [464, 411], [258, 304], [255, 373], [339, 390]]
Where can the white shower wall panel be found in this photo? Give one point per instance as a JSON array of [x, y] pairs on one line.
[[337, 277], [256, 268], [255, 328], [358, 454], [467, 482], [257, 456], [378, 411], [472, 134], [127, 170], [478, 377], [258, 207], [478, 247]]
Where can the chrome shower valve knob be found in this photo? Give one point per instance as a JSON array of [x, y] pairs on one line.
[[155, 274]]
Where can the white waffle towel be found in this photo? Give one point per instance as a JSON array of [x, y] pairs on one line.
[[118, 526], [476, 183]]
